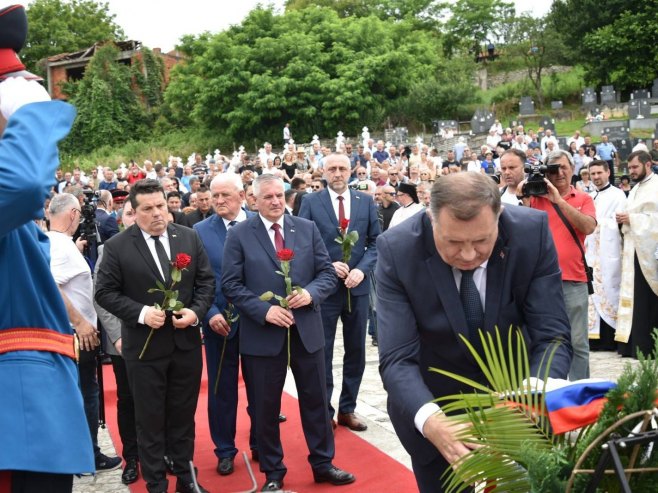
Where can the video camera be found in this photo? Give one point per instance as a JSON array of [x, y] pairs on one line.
[[360, 186], [535, 184], [88, 215]]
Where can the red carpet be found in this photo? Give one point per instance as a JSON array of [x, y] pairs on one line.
[[375, 471]]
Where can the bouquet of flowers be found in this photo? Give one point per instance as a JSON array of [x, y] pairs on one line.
[[347, 242], [170, 301]]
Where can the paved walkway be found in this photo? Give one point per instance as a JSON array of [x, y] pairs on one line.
[[371, 405]]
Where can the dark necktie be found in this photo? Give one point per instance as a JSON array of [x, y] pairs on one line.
[[472, 305], [341, 210], [162, 256], [232, 223], [278, 237]]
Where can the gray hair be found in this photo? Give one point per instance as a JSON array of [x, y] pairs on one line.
[[62, 202], [557, 155], [464, 195], [265, 178], [227, 178]]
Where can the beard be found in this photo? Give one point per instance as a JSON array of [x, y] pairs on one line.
[[641, 175]]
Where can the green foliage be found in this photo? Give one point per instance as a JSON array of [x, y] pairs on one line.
[[635, 391], [148, 74], [614, 40], [309, 67], [66, 26], [539, 45], [473, 22], [109, 112]]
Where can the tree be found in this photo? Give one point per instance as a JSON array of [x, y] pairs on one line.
[[615, 39], [61, 26], [309, 67], [109, 111], [537, 43], [471, 23], [423, 11]]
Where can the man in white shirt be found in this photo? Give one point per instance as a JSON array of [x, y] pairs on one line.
[[73, 277]]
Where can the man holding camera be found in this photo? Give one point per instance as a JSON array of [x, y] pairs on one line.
[[73, 277], [571, 217]]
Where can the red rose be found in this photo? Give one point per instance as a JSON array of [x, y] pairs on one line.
[[344, 223], [182, 261], [285, 255]]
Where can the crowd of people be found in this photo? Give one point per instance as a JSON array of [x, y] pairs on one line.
[[260, 257]]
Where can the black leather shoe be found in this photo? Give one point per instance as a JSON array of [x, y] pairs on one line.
[[282, 418], [254, 455], [130, 472], [333, 475], [184, 487], [225, 466], [273, 485]]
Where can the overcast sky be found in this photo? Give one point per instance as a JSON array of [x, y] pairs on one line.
[[159, 24]]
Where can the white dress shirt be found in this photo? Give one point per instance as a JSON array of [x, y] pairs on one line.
[[347, 201], [270, 232]]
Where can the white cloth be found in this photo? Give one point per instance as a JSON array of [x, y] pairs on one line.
[[509, 198], [603, 253], [72, 274], [404, 213], [640, 237], [17, 91]]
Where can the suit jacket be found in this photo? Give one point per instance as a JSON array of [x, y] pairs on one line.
[[363, 218], [420, 315], [107, 225], [212, 232], [194, 217], [129, 270], [250, 266], [111, 324]]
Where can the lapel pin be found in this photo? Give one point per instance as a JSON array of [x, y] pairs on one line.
[[502, 255], [292, 230]]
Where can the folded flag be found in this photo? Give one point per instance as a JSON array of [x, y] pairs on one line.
[[573, 405]]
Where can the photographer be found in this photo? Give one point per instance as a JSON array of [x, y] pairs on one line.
[[73, 277], [571, 217]]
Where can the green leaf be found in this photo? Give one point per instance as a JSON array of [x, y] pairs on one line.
[[154, 290], [172, 303], [178, 306], [353, 236], [176, 275], [280, 273], [159, 285], [266, 296]]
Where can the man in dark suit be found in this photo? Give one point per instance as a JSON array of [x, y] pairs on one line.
[[166, 381], [203, 209], [220, 335], [249, 270], [465, 264], [107, 224], [326, 209]]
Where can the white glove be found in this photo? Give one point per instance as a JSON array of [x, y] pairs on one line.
[[17, 91]]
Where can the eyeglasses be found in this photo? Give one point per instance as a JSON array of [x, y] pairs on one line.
[[316, 187], [361, 174]]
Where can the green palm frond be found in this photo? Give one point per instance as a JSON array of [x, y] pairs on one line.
[[503, 415]]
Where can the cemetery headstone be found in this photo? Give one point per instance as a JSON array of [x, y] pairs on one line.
[[556, 105], [526, 106], [589, 96], [640, 94], [547, 123], [482, 121], [639, 108], [608, 95]]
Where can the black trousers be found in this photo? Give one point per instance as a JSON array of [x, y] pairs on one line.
[[40, 482], [165, 392], [125, 409]]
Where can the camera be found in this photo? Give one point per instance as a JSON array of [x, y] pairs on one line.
[[359, 186], [535, 184], [88, 214]]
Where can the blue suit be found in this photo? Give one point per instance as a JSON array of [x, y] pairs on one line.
[[249, 269], [42, 421], [363, 218], [420, 316], [223, 406], [107, 225]]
